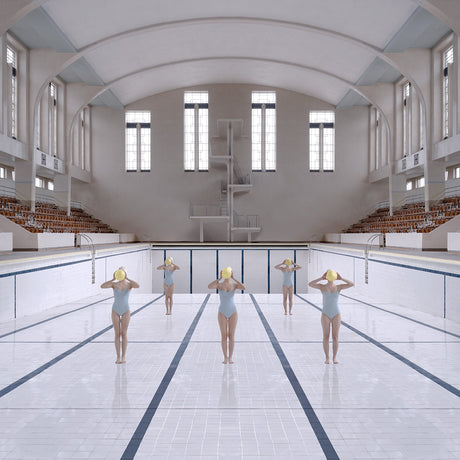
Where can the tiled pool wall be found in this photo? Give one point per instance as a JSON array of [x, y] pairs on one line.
[[421, 283], [32, 285]]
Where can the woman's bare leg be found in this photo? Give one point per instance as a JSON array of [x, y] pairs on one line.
[[171, 292], [285, 294], [223, 324], [232, 321], [291, 293], [124, 334], [165, 288], [335, 337], [117, 328], [326, 325], [168, 297]]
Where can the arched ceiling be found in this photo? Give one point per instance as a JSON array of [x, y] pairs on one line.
[[137, 48]]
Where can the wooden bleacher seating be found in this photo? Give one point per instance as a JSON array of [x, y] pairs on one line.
[[49, 218], [409, 218]]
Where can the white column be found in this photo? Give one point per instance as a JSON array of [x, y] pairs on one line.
[[25, 172], [62, 192]]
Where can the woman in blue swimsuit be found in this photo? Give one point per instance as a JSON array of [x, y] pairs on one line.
[[227, 316], [288, 267], [169, 267], [331, 313], [121, 285]]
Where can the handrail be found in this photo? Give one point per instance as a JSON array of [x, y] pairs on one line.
[[366, 253], [242, 179], [197, 210], [93, 255], [245, 221]]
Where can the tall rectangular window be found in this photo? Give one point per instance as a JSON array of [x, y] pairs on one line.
[[38, 131], [263, 131], [82, 138], [420, 182], [52, 118], [12, 63], [322, 141], [421, 129], [407, 118], [137, 141], [447, 61], [196, 131], [378, 139]]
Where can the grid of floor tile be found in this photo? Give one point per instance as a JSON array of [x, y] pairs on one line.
[[371, 405]]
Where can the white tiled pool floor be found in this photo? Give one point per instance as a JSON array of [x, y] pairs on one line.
[[393, 395]]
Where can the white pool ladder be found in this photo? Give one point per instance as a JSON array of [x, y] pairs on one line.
[[366, 253], [93, 255]]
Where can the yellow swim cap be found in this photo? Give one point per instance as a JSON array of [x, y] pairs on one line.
[[288, 262], [227, 272], [120, 275], [168, 261], [331, 275]]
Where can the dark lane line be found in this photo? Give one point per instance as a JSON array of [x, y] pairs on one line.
[[142, 427], [447, 386], [318, 429], [12, 386]]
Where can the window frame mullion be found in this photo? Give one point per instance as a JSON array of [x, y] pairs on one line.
[[138, 147], [263, 133], [197, 137], [321, 147]]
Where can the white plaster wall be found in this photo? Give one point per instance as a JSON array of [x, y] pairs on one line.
[[127, 237], [372, 239], [453, 241], [293, 204], [98, 238], [404, 240], [332, 238], [6, 241], [55, 240]]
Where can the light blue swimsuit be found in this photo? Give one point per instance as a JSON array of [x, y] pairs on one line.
[[331, 304], [169, 277], [120, 304], [227, 304], [288, 279]]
